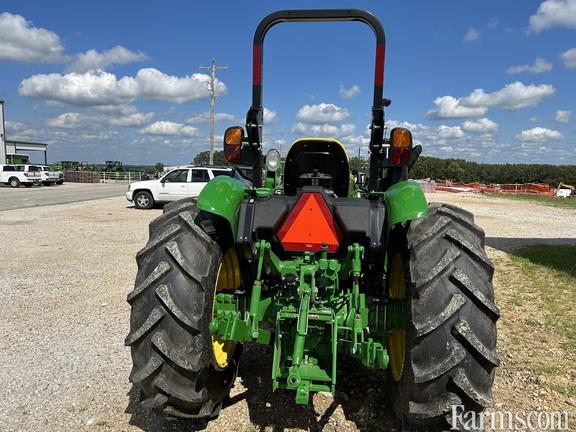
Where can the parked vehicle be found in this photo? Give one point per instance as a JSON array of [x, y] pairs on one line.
[[48, 175], [16, 175], [60, 177], [565, 191], [182, 182]]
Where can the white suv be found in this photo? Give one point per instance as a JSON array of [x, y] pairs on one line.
[[16, 175], [182, 182]]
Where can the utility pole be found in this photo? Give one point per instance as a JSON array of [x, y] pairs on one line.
[[2, 134], [212, 91]]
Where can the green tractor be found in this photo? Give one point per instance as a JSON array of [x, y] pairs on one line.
[[320, 271], [113, 166]]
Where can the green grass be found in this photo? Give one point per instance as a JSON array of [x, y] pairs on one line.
[[551, 273], [548, 295], [569, 203]]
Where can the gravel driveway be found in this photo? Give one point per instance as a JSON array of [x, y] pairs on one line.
[[64, 277]]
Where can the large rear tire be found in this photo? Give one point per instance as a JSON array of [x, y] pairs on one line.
[[450, 347], [172, 350]]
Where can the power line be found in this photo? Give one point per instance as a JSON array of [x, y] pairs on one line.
[[212, 91]]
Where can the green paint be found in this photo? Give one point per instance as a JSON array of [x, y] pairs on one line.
[[317, 313], [222, 196], [263, 192], [405, 201]]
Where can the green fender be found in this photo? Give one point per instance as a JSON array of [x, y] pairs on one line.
[[405, 201], [222, 196]]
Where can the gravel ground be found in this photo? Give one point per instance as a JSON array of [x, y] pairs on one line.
[[15, 198], [64, 277]]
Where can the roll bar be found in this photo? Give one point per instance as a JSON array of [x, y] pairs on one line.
[[255, 113]]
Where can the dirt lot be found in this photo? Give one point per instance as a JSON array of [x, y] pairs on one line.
[[64, 277]]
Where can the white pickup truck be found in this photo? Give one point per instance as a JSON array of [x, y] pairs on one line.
[[16, 175], [182, 182], [49, 176]]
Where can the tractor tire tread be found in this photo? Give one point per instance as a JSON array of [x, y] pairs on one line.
[[171, 211], [451, 343], [171, 308]]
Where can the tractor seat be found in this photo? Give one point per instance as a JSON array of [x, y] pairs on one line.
[[317, 162]]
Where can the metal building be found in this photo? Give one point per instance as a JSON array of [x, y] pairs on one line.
[[11, 148]]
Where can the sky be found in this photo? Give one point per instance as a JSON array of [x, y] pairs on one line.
[[488, 81]]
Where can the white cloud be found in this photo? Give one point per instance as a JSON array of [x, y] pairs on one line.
[[14, 127], [539, 135], [493, 22], [569, 58], [70, 120], [205, 118], [539, 66], [415, 128], [103, 88], [134, 119], [94, 60], [168, 128], [349, 93], [323, 130], [533, 119], [90, 88], [513, 96], [554, 13], [155, 85], [563, 116], [124, 116], [322, 113], [269, 116], [450, 107], [433, 138], [482, 125], [100, 135], [21, 41], [480, 143], [450, 132], [472, 35]]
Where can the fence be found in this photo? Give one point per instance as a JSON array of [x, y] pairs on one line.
[[81, 177], [431, 186], [102, 177], [120, 177]]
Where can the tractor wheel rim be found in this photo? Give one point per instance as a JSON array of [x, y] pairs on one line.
[[397, 341], [229, 279], [143, 200]]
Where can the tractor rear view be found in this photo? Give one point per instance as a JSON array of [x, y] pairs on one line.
[[320, 270]]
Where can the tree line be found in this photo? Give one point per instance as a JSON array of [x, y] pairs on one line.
[[464, 171], [460, 170]]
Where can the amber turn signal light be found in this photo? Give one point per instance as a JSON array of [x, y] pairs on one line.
[[401, 138], [233, 138]]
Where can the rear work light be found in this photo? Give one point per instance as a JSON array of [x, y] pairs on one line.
[[400, 146], [309, 225]]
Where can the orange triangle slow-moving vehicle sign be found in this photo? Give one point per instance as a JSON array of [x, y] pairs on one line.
[[309, 225]]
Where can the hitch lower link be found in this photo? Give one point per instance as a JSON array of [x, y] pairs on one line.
[[313, 318]]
